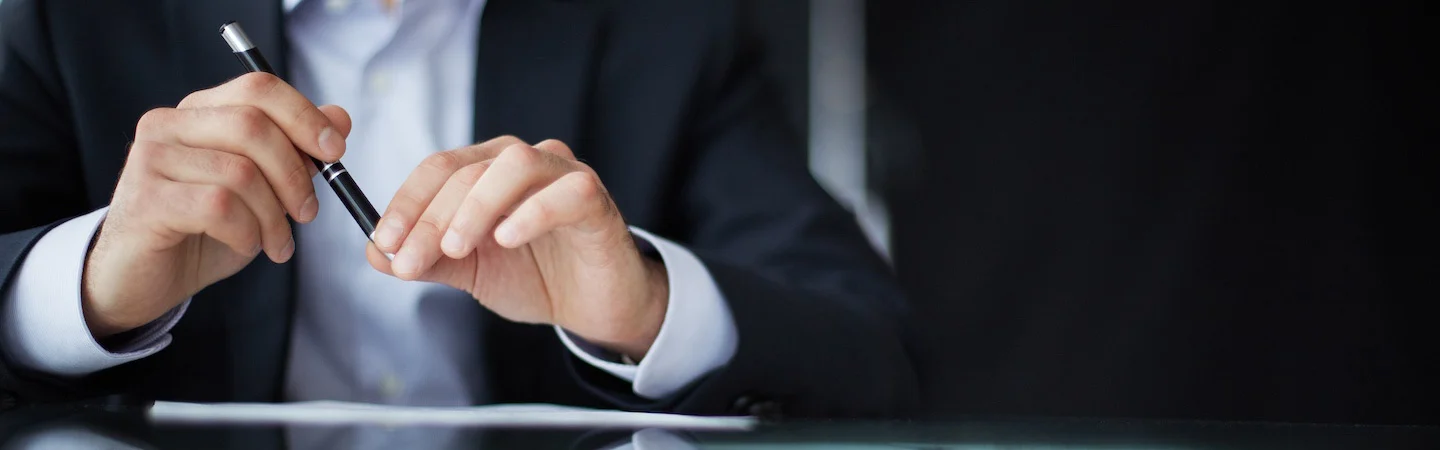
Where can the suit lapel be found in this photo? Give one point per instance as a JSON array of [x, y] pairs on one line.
[[533, 72], [238, 328]]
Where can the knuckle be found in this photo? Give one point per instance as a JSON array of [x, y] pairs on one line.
[[505, 141], [137, 179], [144, 154], [308, 116], [192, 98], [216, 203], [152, 121], [251, 122], [542, 213], [298, 179], [470, 174], [446, 162], [519, 155], [238, 171], [426, 227], [256, 83], [557, 148], [586, 185], [482, 167], [405, 200]]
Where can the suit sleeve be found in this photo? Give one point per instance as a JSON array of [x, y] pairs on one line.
[[41, 184], [821, 321]]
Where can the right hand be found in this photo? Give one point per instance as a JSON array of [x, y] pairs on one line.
[[205, 189]]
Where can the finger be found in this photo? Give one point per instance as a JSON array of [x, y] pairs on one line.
[[338, 117], [212, 210], [246, 131], [576, 199], [519, 171], [377, 259], [422, 185], [237, 173], [422, 246], [302, 122]]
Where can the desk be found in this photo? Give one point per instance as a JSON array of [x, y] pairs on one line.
[[30, 427]]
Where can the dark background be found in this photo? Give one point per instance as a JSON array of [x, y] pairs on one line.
[[1192, 209], [1214, 209]]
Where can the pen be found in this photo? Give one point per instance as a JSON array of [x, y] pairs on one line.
[[334, 173]]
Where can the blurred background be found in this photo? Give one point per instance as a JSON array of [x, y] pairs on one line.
[[1200, 209]]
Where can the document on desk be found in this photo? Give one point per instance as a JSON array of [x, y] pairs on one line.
[[510, 416]]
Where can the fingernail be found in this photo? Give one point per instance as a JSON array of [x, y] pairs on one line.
[[309, 209], [505, 234], [388, 236], [288, 251], [331, 144], [452, 243], [405, 264]]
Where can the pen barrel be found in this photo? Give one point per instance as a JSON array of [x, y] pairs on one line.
[[334, 173], [254, 61], [350, 196]]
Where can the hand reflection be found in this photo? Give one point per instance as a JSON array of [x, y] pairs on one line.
[[119, 431], [302, 438], [656, 439], [68, 437]]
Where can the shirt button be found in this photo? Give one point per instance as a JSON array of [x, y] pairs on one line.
[[335, 6], [391, 387], [379, 82]]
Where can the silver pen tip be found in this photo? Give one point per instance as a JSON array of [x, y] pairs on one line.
[[235, 36]]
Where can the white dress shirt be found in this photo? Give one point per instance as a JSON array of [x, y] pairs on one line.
[[406, 75]]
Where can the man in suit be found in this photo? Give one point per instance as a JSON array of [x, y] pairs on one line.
[[635, 229]]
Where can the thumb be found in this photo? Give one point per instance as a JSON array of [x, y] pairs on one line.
[[338, 117]]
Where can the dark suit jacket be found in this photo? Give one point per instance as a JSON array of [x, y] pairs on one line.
[[662, 98]]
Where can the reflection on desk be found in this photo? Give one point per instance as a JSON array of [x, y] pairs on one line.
[[79, 437], [37, 427]]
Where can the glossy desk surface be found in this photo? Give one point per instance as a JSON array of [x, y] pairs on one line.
[[39, 427]]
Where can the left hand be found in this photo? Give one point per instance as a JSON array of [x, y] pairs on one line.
[[532, 234]]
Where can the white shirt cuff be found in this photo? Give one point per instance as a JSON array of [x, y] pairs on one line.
[[697, 336], [43, 325]]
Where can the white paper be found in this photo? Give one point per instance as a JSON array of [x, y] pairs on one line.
[[511, 415]]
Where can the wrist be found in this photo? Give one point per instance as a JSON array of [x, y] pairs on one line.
[[94, 318], [99, 312], [99, 318], [636, 344]]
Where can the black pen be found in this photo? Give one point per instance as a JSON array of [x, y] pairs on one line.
[[334, 173]]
